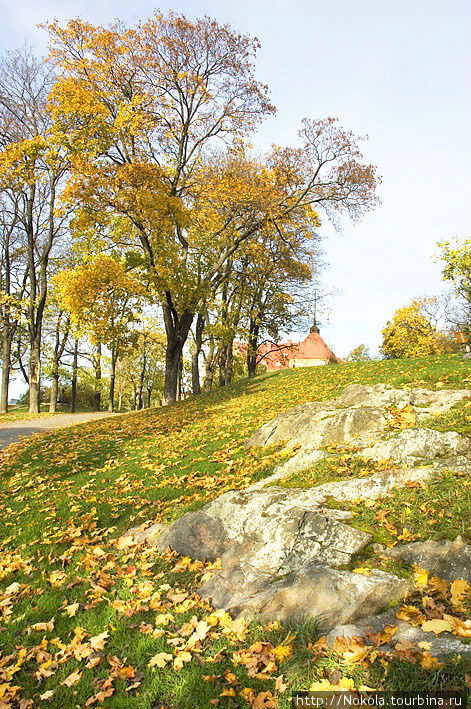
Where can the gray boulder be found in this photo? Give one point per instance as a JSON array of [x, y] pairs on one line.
[[279, 551], [315, 426], [273, 530], [445, 559], [197, 535], [327, 595], [440, 645], [360, 417], [413, 446], [352, 489]]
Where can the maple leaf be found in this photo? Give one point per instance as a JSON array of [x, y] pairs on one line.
[[43, 626], [180, 660], [160, 660], [428, 662], [164, 619], [459, 589], [47, 695], [280, 685], [98, 641], [264, 700], [411, 614], [228, 692], [72, 609], [282, 652], [57, 578], [72, 679], [437, 626], [420, 577], [439, 585]]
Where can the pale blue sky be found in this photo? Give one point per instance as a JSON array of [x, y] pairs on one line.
[[397, 71]]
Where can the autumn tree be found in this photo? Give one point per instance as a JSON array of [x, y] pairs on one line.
[[141, 369], [32, 169], [101, 298], [13, 276], [361, 353], [456, 258], [410, 333], [56, 333], [143, 110]]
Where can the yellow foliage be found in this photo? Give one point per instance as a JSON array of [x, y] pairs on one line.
[[410, 333]]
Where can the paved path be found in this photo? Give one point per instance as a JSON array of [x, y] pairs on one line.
[[16, 430]]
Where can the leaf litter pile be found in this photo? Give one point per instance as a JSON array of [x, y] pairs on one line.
[[92, 620]]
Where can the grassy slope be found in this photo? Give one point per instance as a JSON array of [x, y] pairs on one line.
[[68, 494]]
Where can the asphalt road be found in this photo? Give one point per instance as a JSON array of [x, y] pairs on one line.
[[16, 430]]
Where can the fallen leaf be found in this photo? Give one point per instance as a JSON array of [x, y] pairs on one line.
[[73, 678], [160, 660]]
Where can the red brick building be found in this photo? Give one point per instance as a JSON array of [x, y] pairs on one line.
[[312, 352]]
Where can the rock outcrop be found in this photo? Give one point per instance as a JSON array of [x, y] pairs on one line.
[[361, 416], [284, 552], [450, 560], [317, 591], [438, 645]]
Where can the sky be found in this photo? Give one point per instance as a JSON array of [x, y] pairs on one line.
[[398, 72]]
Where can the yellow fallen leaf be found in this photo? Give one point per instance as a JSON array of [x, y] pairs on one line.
[[72, 679], [228, 692], [437, 626], [160, 660], [180, 660], [72, 609], [164, 619], [320, 686], [459, 589], [44, 626], [57, 578], [420, 577], [429, 662], [281, 652], [47, 695], [98, 641]]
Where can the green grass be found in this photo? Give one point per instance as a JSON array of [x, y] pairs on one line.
[[66, 496], [457, 419], [339, 464]]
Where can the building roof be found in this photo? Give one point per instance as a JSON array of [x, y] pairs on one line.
[[314, 347], [278, 356]]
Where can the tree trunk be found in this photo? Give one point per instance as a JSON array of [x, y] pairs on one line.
[[210, 367], [149, 395], [222, 365], [73, 397], [252, 350], [112, 380], [34, 377], [229, 362], [179, 382], [54, 386], [97, 392], [120, 400], [177, 328], [195, 370], [225, 362], [6, 365], [141, 382]]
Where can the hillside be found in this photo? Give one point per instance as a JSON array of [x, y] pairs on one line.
[[82, 618]]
